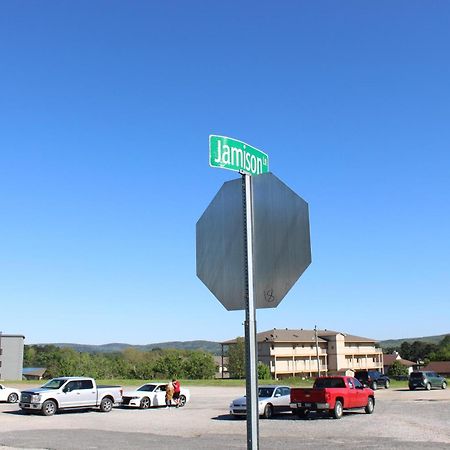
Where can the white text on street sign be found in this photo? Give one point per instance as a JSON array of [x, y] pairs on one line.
[[231, 154]]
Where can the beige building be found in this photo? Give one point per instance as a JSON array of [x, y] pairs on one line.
[[294, 353]]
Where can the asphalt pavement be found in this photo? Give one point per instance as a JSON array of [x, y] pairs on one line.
[[402, 420]]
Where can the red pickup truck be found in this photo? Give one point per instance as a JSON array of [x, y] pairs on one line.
[[332, 394]]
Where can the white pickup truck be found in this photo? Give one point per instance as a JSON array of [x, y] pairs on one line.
[[68, 393]]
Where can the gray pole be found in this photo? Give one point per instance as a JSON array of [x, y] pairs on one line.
[[250, 323], [317, 351], [222, 361]]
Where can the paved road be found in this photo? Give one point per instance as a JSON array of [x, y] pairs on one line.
[[402, 419]]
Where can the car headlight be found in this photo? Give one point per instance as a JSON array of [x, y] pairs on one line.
[[35, 398]]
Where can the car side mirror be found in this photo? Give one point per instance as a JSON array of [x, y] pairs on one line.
[[66, 389], [277, 395]]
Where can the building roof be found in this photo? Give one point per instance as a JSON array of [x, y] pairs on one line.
[[2, 335], [34, 371], [283, 335], [388, 360], [348, 337], [438, 366], [301, 335]]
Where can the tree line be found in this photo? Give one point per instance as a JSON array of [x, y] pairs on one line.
[[128, 364], [423, 351]]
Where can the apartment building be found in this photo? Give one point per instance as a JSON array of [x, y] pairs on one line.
[[11, 356], [302, 353]]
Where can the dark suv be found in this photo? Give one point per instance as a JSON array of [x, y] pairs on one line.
[[373, 378], [426, 380]]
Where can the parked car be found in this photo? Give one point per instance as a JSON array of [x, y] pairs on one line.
[[69, 393], [373, 379], [426, 380], [272, 399], [333, 395], [10, 395], [152, 394]]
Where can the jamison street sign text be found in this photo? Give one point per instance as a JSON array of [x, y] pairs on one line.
[[228, 153]]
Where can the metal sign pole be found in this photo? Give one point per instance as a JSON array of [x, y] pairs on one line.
[[250, 322]]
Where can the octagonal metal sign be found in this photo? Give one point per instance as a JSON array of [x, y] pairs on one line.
[[281, 243], [220, 246]]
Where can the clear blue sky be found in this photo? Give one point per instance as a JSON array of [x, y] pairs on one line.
[[105, 112]]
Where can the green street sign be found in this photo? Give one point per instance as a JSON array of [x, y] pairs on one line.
[[228, 153]]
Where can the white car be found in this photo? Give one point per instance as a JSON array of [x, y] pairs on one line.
[[10, 395], [271, 399], [152, 394]]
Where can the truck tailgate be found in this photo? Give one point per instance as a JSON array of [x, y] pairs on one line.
[[310, 395]]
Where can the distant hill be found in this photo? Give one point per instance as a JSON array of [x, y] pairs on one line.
[[398, 342], [208, 346]]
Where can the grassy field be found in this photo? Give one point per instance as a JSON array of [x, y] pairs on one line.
[[215, 382], [294, 382]]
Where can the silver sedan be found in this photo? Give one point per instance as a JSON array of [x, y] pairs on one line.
[[272, 399]]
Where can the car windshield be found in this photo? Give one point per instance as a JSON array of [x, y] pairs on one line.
[[147, 387], [416, 375], [56, 383], [329, 383], [265, 392], [361, 375]]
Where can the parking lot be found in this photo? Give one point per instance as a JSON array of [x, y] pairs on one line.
[[402, 419]]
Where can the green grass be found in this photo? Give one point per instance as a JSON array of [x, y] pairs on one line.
[[395, 384], [215, 382], [294, 382]]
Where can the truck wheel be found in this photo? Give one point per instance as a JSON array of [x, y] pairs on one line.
[[388, 383], [145, 403], [182, 401], [370, 406], [12, 398], [106, 404], [49, 408], [338, 410], [428, 387], [374, 386], [444, 385], [268, 412]]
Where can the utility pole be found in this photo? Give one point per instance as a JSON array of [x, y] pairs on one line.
[[317, 351]]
